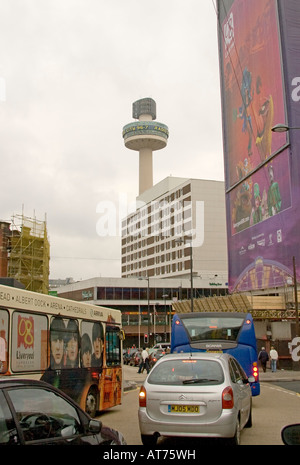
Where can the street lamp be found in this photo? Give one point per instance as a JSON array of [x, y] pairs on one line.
[[141, 278], [164, 296], [285, 128], [180, 241], [139, 318], [282, 128], [296, 298]]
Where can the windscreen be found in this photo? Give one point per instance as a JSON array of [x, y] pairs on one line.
[[177, 372], [209, 328]]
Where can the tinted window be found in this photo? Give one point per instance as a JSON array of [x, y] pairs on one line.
[[190, 371], [8, 432], [213, 328], [44, 415], [236, 371], [113, 352], [3, 341], [29, 342]]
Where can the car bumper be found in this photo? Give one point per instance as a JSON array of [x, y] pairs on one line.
[[223, 427]]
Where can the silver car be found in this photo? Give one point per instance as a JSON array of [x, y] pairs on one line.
[[196, 395]]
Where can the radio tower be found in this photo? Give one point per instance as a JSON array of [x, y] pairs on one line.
[[145, 136]]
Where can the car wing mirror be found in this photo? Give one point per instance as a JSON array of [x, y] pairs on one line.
[[68, 431], [95, 426], [291, 435]]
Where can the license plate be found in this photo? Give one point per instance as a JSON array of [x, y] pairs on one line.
[[215, 351], [183, 408]]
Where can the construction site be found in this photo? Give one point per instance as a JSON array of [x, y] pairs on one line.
[[25, 252]]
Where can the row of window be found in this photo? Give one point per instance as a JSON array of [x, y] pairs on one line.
[[137, 268], [137, 251], [72, 345], [175, 203], [138, 318], [141, 293]]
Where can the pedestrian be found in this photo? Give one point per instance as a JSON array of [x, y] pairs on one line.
[[144, 361], [263, 357], [274, 358]]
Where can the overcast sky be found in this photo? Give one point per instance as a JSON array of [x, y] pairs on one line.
[[69, 73]]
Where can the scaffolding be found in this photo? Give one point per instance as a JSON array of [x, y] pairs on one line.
[[261, 307], [29, 253]]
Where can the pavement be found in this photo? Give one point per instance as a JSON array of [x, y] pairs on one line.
[[279, 375], [133, 379]]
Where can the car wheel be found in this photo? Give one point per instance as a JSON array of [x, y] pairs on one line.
[[249, 422], [91, 402], [235, 441], [149, 441]]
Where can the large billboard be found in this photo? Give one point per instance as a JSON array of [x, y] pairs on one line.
[[261, 206]]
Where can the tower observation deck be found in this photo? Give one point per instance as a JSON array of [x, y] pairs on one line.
[[145, 136]]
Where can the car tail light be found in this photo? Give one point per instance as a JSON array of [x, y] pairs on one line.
[[227, 398], [255, 370], [142, 397]]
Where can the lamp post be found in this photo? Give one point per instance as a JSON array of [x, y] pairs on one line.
[[164, 296], [296, 297], [285, 128], [180, 241], [282, 128], [148, 300], [139, 318]]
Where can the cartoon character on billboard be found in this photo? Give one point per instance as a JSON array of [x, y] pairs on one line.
[[247, 94], [256, 214], [265, 122], [274, 197], [242, 206]]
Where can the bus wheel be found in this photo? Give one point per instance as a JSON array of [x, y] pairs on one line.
[[91, 402]]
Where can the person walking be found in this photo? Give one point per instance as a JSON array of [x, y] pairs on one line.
[[263, 357], [144, 361], [274, 359]]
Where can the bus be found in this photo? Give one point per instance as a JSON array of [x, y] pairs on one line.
[[231, 333], [74, 346]]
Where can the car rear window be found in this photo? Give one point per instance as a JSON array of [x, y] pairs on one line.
[[187, 371]]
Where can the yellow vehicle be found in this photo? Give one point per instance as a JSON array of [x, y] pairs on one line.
[[74, 346]]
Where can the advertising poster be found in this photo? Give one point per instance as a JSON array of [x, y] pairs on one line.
[[257, 161], [29, 342]]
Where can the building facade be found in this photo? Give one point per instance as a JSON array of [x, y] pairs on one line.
[[145, 303], [178, 227]]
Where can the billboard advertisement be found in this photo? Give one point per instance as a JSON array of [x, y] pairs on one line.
[[259, 178]]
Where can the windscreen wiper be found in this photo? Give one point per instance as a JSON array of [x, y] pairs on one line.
[[198, 381]]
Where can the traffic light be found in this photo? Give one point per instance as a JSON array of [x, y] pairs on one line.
[[146, 338]]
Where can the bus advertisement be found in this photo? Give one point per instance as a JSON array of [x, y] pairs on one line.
[[74, 346], [231, 333]]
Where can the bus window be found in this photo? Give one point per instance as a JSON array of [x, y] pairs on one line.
[[86, 351], [113, 352], [3, 341], [29, 342], [72, 344], [57, 337], [213, 328], [92, 339]]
